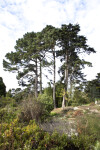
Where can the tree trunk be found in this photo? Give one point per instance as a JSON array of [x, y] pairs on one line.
[[65, 82], [40, 78], [36, 81], [64, 100], [71, 87], [54, 80]]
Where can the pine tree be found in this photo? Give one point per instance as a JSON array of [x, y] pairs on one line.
[[71, 44]]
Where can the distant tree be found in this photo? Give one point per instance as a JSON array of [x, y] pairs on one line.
[[9, 93], [2, 88], [59, 93], [92, 87]]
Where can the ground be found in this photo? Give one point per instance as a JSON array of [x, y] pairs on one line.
[[74, 120]]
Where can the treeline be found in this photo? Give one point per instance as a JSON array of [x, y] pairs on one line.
[[38, 50]]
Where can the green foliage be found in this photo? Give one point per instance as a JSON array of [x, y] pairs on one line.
[[79, 98], [17, 136], [89, 125], [19, 94], [92, 88], [9, 94], [59, 93], [15, 133], [97, 146], [46, 99], [83, 142], [2, 88], [6, 100], [31, 55], [7, 114]]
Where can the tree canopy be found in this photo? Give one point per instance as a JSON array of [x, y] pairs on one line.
[[33, 50], [92, 87]]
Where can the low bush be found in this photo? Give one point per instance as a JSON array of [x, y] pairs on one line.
[[32, 109], [6, 101], [97, 145], [89, 125], [31, 137], [47, 100], [7, 114]]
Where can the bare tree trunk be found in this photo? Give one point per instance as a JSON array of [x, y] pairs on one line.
[[64, 100], [36, 80], [71, 87], [40, 78], [54, 80], [65, 82]]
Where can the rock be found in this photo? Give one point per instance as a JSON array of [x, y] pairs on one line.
[[76, 108], [94, 110], [96, 102]]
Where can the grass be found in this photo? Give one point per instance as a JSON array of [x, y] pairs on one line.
[[89, 124], [86, 119]]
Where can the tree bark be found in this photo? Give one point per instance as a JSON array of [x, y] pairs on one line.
[[36, 80], [65, 82], [40, 78], [54, 79]]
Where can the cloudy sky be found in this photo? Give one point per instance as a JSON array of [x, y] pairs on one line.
[[20, 16]]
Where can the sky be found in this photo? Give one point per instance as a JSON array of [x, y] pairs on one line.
[[18, 17]]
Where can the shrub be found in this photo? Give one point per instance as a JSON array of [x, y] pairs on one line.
[[97, 146], [16, 136], [32, 109], [6, 100], [80, 98], [47, 100], [82, 142], [89, 125], [7, 114]]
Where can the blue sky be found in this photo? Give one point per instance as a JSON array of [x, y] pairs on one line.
[[20, 16]]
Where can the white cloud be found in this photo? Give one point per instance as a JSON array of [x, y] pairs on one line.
[[20, 16]]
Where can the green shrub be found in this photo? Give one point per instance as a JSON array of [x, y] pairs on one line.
[[47, 100], [97, 145], [79, 98], [7, 114], [83, 142], [89, 125], [18, 136], [6, 100]]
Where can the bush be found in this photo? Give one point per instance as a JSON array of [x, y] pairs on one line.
[[82, 142], [16, 136], [6, 100], [47, 100], [32, 109], [80, 98], [7, 114], [97, 146], [89, 125]]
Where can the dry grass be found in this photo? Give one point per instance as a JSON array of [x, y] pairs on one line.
[[71, 121]]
